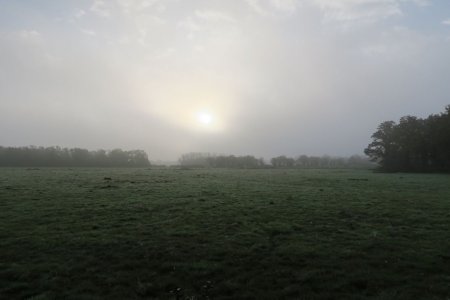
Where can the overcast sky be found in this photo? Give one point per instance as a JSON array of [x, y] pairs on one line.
[[262, 77]]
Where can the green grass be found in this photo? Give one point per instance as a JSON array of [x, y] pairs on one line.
[[223, 234]]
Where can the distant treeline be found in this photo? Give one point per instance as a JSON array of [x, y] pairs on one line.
[[76, 157], [197, 159], [414, 144]]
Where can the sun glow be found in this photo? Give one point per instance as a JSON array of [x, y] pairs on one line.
[[192, 107], [204, 118]]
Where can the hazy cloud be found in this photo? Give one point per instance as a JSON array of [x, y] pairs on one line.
[[277, 77], [80, 13], [364, 10], [214, 16], [88, 32], [271, 7], [100, 8], [353, 10]]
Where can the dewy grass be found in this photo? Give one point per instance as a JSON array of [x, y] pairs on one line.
[[223, 234]]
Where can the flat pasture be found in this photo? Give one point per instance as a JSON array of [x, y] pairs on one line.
[[223, 234]]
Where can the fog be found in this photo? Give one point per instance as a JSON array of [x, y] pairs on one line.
[[260, 77]]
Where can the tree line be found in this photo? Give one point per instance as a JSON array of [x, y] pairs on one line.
[[76, 157], [413, 144], [198, 159]]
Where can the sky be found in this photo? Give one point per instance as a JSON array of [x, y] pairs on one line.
[[259, 77]]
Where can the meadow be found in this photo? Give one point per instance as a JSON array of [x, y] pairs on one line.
[[223, 234]]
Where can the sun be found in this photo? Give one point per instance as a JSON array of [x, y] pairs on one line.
[[204, 118]]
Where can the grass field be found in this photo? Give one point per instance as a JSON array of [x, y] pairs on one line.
[[223, 234]]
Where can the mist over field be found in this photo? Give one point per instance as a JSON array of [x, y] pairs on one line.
[[225, 149], [260, 77]]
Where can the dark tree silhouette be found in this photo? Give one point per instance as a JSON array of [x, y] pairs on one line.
[[76, 157], [282, 162], [197, 159], [413, 144], [208, 160]]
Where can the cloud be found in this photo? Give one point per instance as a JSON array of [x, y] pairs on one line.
[[287, 6], [191, 26], [214, 16], [137, 6], [272, 71], [363, 10], [422, 3], [32, 36], [88, 32], [446, 22], [79, 14], [273, 7], [100, 8], [337, 10], [357, 10], [257, 7], [399, 45]]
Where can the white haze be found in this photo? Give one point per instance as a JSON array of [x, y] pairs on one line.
[[277, 76]]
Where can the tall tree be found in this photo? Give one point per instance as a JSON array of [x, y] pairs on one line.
[[413, 144]]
